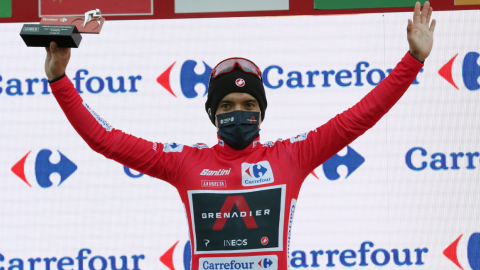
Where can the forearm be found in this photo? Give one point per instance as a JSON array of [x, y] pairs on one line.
[[366, 113], [338, 132], [92, 129], [126, 149]]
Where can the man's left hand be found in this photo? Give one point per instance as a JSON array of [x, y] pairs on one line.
[[420, 32]]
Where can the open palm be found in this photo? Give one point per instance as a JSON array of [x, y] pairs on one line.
[[420, 32]]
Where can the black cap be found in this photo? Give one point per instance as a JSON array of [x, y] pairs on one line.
[[232, 82]]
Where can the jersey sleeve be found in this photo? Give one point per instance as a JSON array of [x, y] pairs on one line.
[[155, 159], [310, 150]]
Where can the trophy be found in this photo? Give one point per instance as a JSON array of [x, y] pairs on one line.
[[65, 31]]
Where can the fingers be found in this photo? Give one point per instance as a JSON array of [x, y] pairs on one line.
[[53, 47], [430, 10], [409, 26], [425, 11], [432, 26], [416, 13], [49, 53]]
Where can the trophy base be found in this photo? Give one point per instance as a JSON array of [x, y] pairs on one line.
[[38, 35]]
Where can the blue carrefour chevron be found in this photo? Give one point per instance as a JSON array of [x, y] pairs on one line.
[[44, 168], [352, 160], [189, 79], [259, 170], [471, 71]]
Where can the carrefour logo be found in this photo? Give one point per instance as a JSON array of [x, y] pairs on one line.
[[83, 260], [472, 246], [43, 168], [257, 174], [365, 255], [167, 258], [419, 159], [265, 263], [82, 82], [470, 71], [352, 160], [193, 84]]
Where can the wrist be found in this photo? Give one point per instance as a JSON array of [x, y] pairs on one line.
[[56, 78], [417, 58]]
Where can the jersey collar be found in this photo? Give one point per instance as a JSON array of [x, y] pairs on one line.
[[224, 147]]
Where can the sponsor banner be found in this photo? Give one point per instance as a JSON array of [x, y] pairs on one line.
[[5, 8], [409, 183], [354, 4], [238, 221], [118, 7], [195, 6], [250, 262]]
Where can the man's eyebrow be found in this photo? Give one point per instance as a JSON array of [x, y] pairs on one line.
[[251, 100]]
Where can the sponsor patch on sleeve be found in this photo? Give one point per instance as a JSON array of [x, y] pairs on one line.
[[97, 117], [200, 145], [299, 138], [172, 147], [268, 144]]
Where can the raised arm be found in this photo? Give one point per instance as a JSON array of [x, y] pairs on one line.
[[310, 150], [136, 153]]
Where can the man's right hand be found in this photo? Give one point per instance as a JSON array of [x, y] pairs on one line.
[[56, 61]]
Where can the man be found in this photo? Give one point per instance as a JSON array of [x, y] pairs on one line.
[[240, 195]]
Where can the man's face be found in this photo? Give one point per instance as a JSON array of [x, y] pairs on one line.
[[237, 102]]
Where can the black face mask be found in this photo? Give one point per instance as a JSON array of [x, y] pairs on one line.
[[238, 129]]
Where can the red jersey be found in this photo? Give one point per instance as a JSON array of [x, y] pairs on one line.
[[239, 204]]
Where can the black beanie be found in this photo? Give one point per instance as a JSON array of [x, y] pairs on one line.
[[227, 83]]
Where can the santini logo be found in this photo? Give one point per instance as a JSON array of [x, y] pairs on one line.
[[256, 174], [215, 173]]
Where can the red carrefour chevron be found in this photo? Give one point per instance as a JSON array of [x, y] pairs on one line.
[[446, 71], [164, 79], [19, 169], [267, 203], [451, 252], [167, 257]]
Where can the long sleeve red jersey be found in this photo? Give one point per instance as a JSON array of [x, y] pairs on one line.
[[239, 204]]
